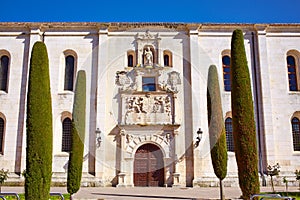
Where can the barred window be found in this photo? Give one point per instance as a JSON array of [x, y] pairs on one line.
[[69, 73], [2, 127], [292, 73], [226, 73], [66, 135], [229, 134], [4, 61], [296, 133]]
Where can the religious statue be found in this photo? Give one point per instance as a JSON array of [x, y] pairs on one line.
[[148, 56]]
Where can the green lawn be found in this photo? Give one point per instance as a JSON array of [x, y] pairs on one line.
[[66, 196], [295, 195]]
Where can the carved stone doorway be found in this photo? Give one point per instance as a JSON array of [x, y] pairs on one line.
[[149, 166]]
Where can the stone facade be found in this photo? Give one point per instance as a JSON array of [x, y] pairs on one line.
[[146, 88]]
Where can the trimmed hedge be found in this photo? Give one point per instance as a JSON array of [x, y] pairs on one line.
[[38, 126], [78, 135], [244, 131], [217, 133]]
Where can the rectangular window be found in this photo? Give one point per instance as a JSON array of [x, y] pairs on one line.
[[149, 84]]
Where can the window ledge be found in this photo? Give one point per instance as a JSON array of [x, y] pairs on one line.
[[3, 92], [294, 92], [66, 93], [296, 153], [230, 153], [62, 154]]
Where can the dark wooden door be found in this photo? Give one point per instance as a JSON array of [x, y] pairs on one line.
[[148, 166]]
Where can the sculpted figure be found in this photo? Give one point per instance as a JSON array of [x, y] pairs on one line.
[[148, 56]]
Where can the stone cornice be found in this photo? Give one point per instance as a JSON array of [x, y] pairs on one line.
[[135, 26]]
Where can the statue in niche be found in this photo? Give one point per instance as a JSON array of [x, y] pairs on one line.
[[148, 57]]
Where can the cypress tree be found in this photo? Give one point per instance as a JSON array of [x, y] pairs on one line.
[[244, 132], [78, 135], [38, 126], [217, 134]]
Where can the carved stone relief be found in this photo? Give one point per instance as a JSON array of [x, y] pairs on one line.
[[171, 85], [148, 109], [125, 81]]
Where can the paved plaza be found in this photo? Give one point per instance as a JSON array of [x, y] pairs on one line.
[[150, 193]]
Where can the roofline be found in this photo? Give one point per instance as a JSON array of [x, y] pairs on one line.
[[115, 26]]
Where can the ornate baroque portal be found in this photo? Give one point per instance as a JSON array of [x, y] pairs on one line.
[[147, 118]]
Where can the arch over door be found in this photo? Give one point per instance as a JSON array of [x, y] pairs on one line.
[[148, 166]]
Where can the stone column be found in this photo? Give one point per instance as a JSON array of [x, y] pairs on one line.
[[160, 58], [139, 81], [122, 174], [176, 174], [100, 99], [20, 163]]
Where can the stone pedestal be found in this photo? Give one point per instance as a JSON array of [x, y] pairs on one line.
[[121, 180], [176, 182]]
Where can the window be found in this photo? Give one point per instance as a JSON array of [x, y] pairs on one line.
[[296, 133], [167, 58], [130, 60], [69, 73], [4, 61], [291, 65], [226, 72], [66, 135], [229, 134], [149, 84], [2, 128]]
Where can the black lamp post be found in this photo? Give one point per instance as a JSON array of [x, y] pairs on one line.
[[199, 137], [98, 137]]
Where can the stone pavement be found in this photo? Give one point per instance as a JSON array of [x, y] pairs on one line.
[[150, 193]]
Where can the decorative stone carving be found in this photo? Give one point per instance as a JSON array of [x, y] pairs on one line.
[[122, 79], [132, 80], [146, 36], [125, 80], [148, 40], [122, 132], [172, 82], [135, 104], [129, 138], [168, 137], [148, 109], [141, 107]]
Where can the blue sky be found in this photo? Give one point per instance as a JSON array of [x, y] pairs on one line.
[[200, 11]]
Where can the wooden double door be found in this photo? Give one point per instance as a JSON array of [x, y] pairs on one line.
[[149, 166]]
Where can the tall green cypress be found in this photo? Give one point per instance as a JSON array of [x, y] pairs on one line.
[[244, 132], [78, 134], [38, 126], [217, 134]]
